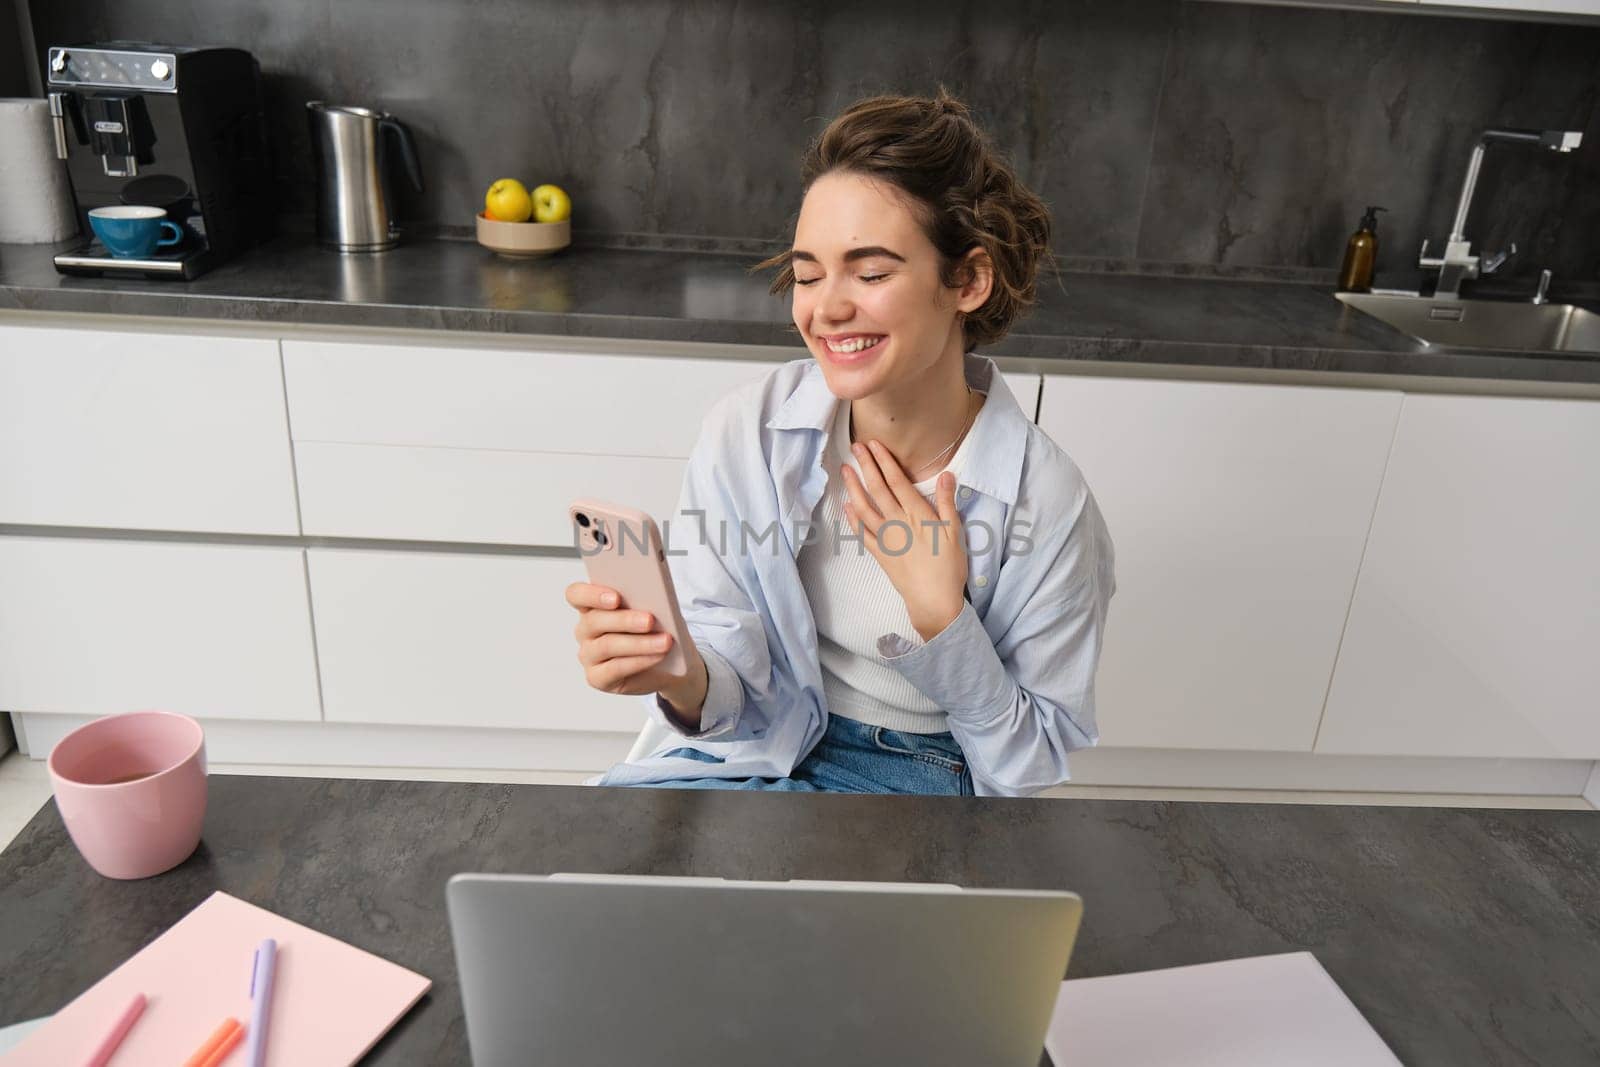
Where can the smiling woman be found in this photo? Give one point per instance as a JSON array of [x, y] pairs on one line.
[[935, 624]]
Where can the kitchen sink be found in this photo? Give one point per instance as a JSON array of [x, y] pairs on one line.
[[1484, 323]]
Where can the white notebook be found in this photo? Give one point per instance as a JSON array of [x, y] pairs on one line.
[[1262, 1011]]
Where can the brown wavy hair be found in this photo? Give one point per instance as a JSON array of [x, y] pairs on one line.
[[961, 189]]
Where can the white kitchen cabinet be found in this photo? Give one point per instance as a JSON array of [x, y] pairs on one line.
[[109, 429], [520, 401], [452, 494], [488, 446], [1475, 629], [1516, 7], [91, 627], [455, 639], [422, 443], [1577, 11], [1025, 387], [1237, 513]]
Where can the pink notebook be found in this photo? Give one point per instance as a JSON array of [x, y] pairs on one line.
[[330, 1003]]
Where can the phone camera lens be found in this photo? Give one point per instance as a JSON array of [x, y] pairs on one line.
[[583, 520], [601, 539]]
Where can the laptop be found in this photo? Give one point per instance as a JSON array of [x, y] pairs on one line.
[[624, 970]]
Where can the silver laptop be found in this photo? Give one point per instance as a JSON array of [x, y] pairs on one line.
[[638, 971]]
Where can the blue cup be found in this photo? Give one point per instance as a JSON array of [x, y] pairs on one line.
[[133, 231]]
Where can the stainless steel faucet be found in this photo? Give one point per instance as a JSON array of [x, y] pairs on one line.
[[1458, 263], [1544, 287]]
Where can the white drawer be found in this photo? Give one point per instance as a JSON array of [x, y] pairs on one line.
[[1237, 513], [214, 631], [450, 494], [515, 401], [1476, 618], [435, 639], [421, 443], [143, 431], [1025, 387]]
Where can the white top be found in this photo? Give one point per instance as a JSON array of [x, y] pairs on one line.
[[854, 603]]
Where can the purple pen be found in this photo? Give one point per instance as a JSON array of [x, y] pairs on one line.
[[262, 973]]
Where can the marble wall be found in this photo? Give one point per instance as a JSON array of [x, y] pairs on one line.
[[1159, 130]]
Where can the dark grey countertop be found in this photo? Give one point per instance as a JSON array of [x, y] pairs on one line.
[[1463, 936], [639, 294]]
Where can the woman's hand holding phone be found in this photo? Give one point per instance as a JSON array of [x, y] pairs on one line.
[[622, 651]]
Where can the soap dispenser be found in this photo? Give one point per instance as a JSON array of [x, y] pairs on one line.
[[1361, 254]]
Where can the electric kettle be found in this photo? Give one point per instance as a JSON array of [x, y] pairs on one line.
[[355, 207]]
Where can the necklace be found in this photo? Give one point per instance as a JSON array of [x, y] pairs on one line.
[[945, 451], [947, 448]]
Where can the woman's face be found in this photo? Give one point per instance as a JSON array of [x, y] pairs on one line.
[[867, 295]]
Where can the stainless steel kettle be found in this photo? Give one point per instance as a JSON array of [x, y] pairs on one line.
[[355, 208]]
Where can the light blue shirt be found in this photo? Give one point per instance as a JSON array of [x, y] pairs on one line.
[[1014, 671]]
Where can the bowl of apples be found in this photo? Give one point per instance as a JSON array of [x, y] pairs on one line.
[[520, 224]]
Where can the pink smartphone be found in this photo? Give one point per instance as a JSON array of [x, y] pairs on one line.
[[621, 549]]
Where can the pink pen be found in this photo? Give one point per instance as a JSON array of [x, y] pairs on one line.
[[125, 1021]]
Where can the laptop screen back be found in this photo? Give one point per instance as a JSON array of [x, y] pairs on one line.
[[684, 972]]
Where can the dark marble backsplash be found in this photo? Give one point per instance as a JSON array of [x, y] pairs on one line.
[[1160, 131], [13, 69]]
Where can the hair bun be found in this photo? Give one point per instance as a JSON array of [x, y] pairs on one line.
[[945, 104]]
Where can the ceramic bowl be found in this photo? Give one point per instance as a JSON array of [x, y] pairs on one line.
[[523, 239]]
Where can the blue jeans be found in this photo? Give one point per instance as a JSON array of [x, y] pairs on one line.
[[853, 757]]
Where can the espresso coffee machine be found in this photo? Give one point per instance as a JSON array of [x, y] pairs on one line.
[[173, 127]]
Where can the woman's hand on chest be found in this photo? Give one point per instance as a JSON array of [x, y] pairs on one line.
[[919, 545]]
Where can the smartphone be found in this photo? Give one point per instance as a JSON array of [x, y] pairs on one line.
[[621, 549]]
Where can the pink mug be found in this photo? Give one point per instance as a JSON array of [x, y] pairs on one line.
[[132, 790]]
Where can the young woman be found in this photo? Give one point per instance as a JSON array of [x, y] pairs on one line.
[[894, 581]]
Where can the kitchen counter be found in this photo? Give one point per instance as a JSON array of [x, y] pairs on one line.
[[1463, 936], [635, 294]]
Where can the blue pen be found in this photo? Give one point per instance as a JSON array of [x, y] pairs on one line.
[[261, 976]]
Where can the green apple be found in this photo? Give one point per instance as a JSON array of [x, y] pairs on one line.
[[551, 203]]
